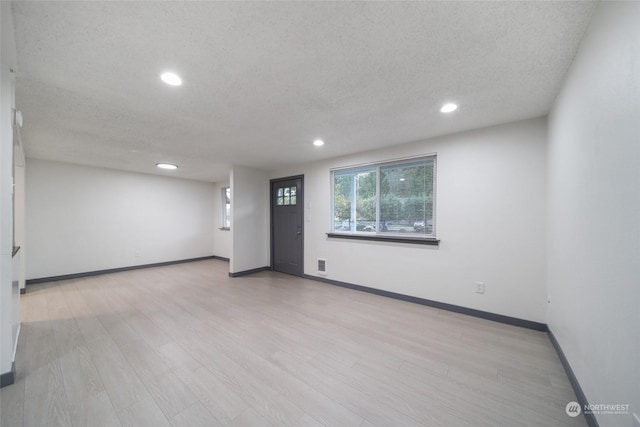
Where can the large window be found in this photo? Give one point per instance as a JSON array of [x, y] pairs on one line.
[[394, 198]]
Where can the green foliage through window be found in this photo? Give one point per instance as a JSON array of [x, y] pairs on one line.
[[386, 198], [286, 196]]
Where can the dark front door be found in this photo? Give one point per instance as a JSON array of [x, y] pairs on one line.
[[287, 225]]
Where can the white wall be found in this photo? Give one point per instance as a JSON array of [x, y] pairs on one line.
[[490, 213], [6, 215], [249, 219], [222, 238], [594, 212], [7, 103], [82, 219]]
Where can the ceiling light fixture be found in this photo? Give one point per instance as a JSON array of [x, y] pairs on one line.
[[171, 78], [448, 108], [166, 166], [318, 143]]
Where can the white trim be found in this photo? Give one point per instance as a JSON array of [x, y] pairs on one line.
[[384, 162], [434, 197]]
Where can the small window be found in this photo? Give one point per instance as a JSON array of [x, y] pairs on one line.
[[226, 207], [391, 198], [286, 196]]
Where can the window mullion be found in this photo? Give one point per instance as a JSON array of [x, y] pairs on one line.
[[377, 224], [354, 204]]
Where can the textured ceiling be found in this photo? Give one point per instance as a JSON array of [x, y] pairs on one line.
[[263, 80]]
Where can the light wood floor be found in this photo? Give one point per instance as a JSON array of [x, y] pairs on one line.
[[184, 345]]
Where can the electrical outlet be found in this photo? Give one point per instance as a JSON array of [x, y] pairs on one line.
[[480, 287]]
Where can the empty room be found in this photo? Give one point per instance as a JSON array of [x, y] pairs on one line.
[[289, 213]]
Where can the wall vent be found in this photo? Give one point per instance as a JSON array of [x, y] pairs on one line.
[[322, 265]]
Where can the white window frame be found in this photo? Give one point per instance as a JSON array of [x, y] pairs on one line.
[[226, 217]]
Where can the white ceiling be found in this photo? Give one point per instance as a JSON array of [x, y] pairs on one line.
[[263, 80]]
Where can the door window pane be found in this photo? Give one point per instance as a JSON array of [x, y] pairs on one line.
[[280, 197], [292, 192], [286, 196]]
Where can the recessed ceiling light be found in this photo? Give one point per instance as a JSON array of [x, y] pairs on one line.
[[318, 143], [447, 108], [401, 179], [171, 78], [166, 166]]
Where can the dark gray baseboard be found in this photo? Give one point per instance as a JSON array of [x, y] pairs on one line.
[[8, 378], [221, 258], [577, 389], [542, 327], [113, 270], [247, 272]]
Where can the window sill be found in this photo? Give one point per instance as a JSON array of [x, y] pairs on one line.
[[395, 239], [225, 228]]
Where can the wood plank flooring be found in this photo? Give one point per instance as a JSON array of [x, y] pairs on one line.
[[185, 345]]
